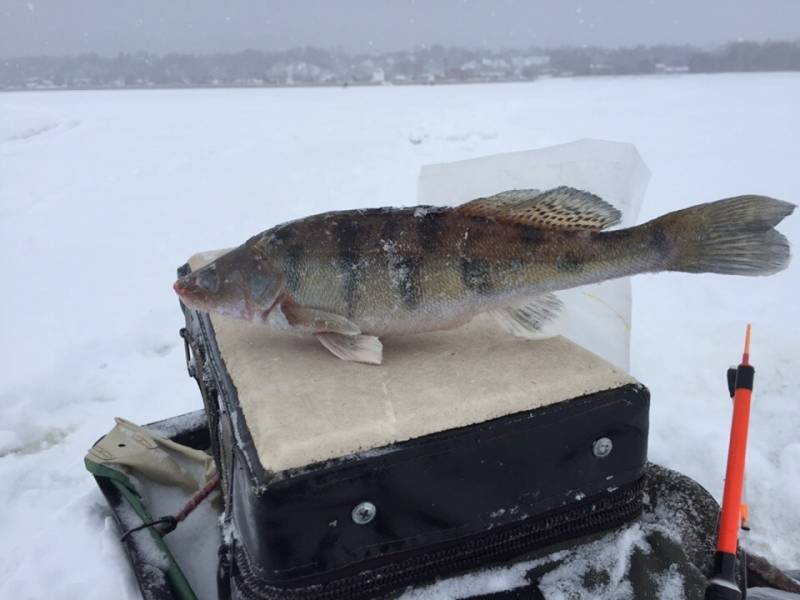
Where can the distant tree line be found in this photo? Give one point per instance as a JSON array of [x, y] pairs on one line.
[[437, 64], [748, 56]]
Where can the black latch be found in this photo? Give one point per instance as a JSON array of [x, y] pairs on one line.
[[186, 346]]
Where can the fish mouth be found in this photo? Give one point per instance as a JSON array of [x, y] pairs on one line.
[[196, 298], [182, 288], [190, 294]]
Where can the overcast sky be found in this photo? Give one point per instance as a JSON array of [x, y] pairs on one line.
[[55, 27]]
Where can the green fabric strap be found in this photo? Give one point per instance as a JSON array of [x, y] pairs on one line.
[[175, 577]]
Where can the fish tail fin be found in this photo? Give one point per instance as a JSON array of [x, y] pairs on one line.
[[734, 236]]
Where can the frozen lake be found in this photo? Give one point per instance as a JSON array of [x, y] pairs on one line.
[[104, 193]]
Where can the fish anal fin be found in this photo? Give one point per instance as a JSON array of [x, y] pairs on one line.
[[559, 208], [357, 348], [535, 318], [314, 320]]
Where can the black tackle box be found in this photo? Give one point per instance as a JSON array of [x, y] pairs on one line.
[[465, 448]]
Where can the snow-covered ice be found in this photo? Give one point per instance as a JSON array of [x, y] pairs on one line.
[[104, 194]]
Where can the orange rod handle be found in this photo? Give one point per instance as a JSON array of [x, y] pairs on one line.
[[730, 518]]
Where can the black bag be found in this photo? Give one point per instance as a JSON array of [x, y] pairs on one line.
[[372, 522]]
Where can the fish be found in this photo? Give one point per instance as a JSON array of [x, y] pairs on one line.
[[350, 277]]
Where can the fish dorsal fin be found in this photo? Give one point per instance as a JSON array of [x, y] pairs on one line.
[[560, 208]]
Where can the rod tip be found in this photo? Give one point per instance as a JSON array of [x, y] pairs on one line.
[[746, 355]]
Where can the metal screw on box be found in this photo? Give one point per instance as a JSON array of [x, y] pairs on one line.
[[364, 513], [602, 447]]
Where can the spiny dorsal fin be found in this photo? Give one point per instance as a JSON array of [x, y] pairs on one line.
[[560, 208]]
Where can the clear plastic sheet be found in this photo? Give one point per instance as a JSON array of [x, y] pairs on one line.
[[598, 316]]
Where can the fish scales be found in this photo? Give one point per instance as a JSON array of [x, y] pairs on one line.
[[349, 276], [409, 264]]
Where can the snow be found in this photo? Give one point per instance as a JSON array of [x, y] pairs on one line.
[[104, 194], [573, 578], [610, 554], [178, 424], [486, 581], [143, 540], [670, 584], [195, 541]]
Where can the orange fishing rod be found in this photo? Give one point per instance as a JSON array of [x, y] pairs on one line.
[[723, 584]]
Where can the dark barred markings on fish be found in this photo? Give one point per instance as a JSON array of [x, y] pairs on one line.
[[350, 276]]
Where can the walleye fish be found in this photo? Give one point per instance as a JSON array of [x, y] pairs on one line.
[[348, 277]]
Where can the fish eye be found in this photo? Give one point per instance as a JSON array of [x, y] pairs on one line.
[[207, 279], [257, 284]]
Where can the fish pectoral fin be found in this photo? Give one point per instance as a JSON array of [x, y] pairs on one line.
[[313, 320], [534, 319], [357, 348], [560, 208], [338, 334]]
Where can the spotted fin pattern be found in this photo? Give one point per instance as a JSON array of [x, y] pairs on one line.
[[560, 208]]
